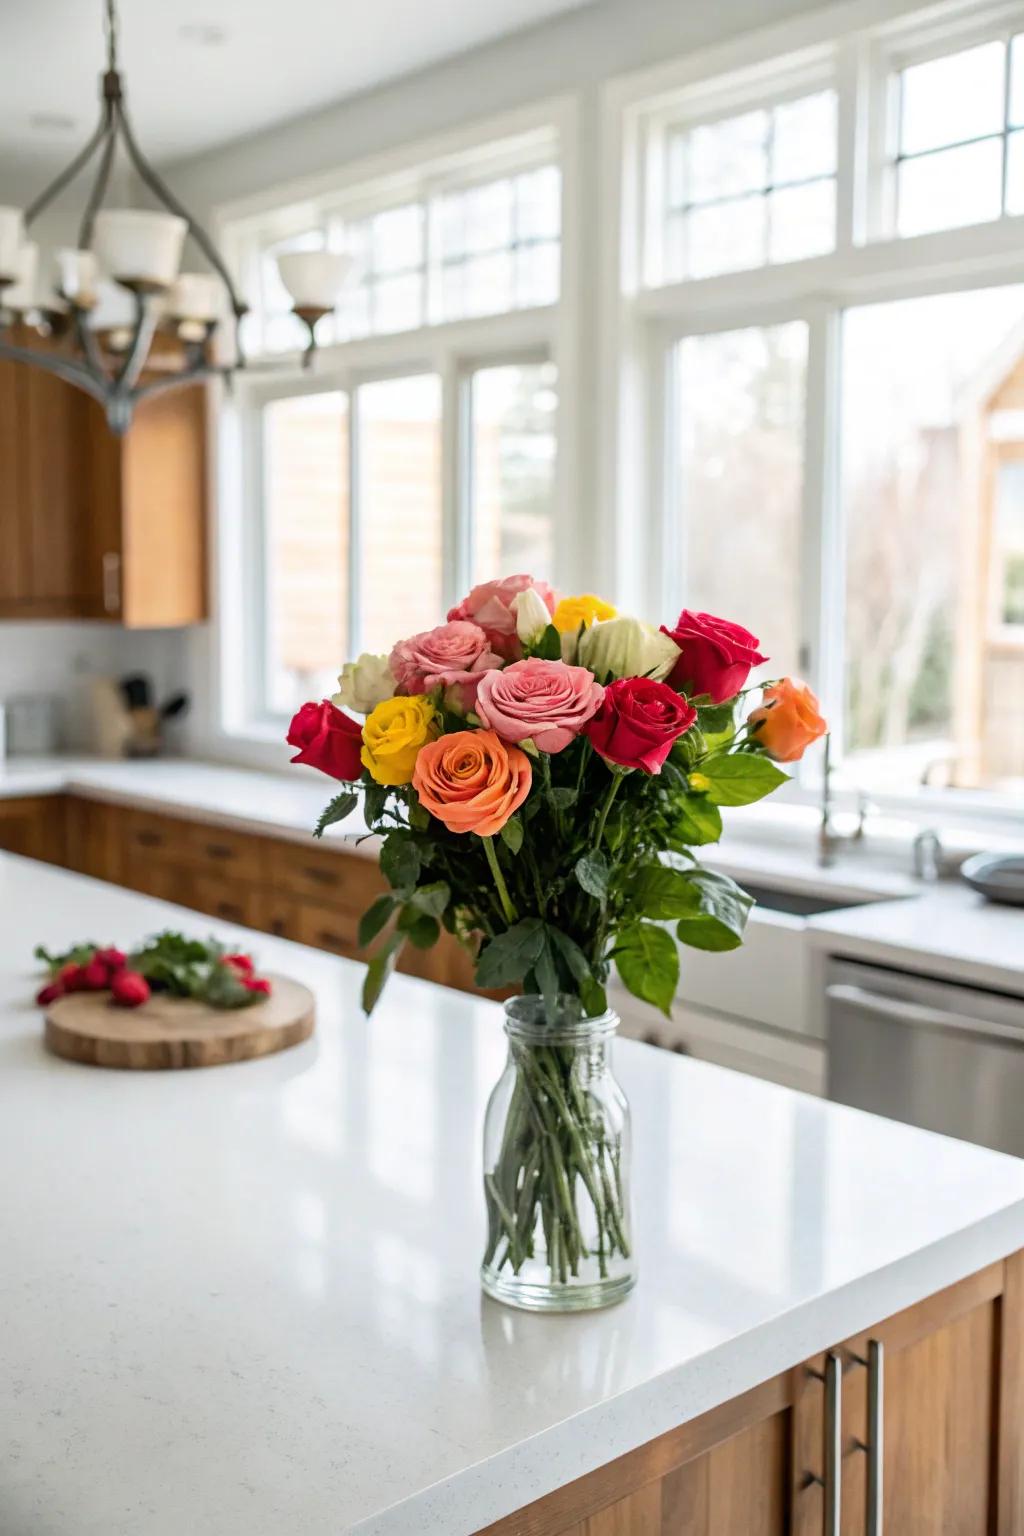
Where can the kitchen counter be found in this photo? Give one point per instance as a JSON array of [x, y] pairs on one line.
[[244, 1300]]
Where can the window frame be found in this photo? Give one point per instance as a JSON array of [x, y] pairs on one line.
[[869, 264]]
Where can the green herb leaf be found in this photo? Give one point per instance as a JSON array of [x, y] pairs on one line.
[[379, 969], [592, 873], [420, 928], [739, 778], [400, 860], [697, 821], [431, 899], [549, 647], [341, 806], [507, 957], [374, 918], [662, 893], [511, 834], [647, 960], [721, 915]]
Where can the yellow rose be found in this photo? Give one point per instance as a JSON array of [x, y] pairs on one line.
[[571, 612], [393, 735]]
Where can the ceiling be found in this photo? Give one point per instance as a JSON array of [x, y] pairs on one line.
[[202, 72]]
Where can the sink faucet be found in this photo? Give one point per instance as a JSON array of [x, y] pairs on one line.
[[828, 838], [927, 854]]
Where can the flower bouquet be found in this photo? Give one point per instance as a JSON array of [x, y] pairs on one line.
[[541, 772]]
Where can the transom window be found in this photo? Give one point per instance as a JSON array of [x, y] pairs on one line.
[[959, 137]]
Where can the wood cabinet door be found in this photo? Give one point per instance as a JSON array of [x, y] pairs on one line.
[[53, 445], [34, 826], [163, 511], [15, 552], [95, 833]]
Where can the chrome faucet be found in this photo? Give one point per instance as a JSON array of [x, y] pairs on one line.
[[927, 855], [828, 838]]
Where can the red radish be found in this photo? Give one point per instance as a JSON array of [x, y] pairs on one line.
[[95, 976], [242, 963], [49, 993], [256, 984], [113, 959], [72, 978], [129, 988]]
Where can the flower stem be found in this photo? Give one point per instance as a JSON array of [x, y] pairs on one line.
[[613, 790], [499, 880]]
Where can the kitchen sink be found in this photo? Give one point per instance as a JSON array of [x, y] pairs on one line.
[[802, 903]]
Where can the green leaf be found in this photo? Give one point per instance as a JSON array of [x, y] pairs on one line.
[[647, 960], [662, 893], [374, 918], [506, 958], [697, 821], [400, 860], [341, 806], [379, 969], [716, 719], [593, 997], [375, 799], [721, 915], [419, 816], [576, 961], [420, 928], [549, 646], [431, 899], [739, 778], [546, 971], [562, 798], [592, 873], [511, 834]]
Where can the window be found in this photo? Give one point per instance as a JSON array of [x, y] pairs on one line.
[[512, 437], [959, 151], [739, 475], [497, 245], [752, 189]]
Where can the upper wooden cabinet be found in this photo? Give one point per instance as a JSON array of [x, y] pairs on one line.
[[95, 526]]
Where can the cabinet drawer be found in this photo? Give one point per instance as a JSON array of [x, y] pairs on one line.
[[214, 849], [328, 927], [325, 874], [156, 837], [275, 913], [227, 898], [155, 878]]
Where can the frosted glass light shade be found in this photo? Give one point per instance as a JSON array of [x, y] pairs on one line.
[[196, 296], [12, 235], [136, 246], [314, 279], [77, 277], [21, 294]]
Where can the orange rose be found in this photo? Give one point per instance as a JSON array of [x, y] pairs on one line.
[[472, 781], [788, 720]]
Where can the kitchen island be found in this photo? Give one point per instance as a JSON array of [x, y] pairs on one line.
[[244, 1300]]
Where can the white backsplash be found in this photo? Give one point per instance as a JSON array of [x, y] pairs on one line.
[[61, 659]]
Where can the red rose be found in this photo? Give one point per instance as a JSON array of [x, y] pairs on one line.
[[638, 721], [715, 658], [327, 739]]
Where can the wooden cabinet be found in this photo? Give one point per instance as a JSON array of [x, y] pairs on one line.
[[949, 1440], [34, 826], [96, 526]]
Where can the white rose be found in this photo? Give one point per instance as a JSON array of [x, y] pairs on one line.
[[364, 684], [626, 648], [532, 616]]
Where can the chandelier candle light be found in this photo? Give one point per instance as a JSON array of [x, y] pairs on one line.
[[541, 772], [122, 284]]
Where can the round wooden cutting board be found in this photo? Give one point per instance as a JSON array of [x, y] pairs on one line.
[[177, 1032]]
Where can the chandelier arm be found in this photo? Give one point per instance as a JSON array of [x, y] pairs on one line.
[[161, 190], [93, 354], [65, 368], [69, 172], [146, 316], [99, 190], [197, 375]]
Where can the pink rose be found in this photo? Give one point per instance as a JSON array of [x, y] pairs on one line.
[[454, 655], [490, 606], [547, 701]]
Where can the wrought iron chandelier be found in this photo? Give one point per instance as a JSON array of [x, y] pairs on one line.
[[95, 326]]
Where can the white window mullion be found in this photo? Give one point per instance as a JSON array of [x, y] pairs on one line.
[[823, 546], [853, 90], [355, 515], [456, 495]]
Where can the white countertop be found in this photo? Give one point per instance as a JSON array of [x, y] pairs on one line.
[[244, 1301]]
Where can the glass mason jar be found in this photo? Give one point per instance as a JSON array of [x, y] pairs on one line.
[[556, 1164]]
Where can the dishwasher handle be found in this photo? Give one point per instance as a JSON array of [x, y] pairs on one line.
[[918, 1015]]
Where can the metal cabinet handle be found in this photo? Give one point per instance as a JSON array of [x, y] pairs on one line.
[[919, 1015], [218, 851], [831, 1483], [111, 582], [324, 876], [876, 1434]]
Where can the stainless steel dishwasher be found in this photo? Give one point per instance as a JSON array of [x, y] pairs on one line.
[[946, 1057]]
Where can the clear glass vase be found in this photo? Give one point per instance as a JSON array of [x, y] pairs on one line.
[[556, 1164]]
